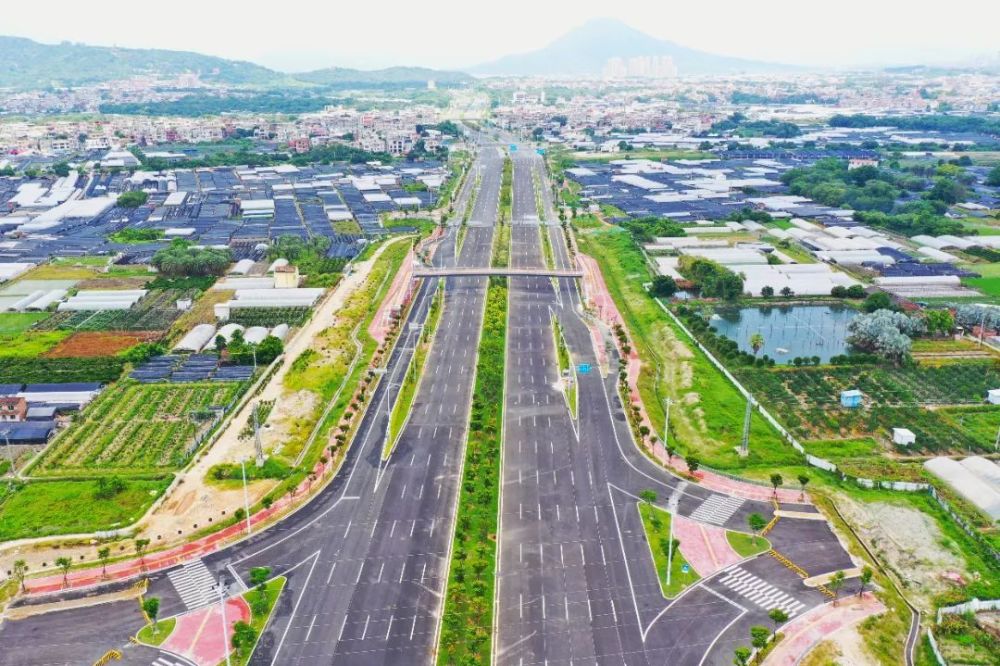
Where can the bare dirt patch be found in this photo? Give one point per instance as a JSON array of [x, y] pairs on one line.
[[90, 344], [909, 542]]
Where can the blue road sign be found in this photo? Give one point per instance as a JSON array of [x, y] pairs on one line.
[[540, 151], [513, 147], [583, 368], [685, 568]]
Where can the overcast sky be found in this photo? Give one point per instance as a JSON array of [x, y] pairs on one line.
[[295, 36]]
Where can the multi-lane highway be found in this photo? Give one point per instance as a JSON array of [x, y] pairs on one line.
[[367, 559], [576, 580]]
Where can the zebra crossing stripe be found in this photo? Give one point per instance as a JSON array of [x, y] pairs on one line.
[[717, 509], [759, 591], [194, 584]]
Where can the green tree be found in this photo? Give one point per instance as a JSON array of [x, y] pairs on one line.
[[104, 554], [756, 523], [877, 301], [759, 636], [60, 169], [140, 551], [993, 177], [151, 606], [693, 463], [132, 199], [835, 584], [741, 656], [20, 571], [244, 637], [866, 578], [64, 564], [648, 496], [776, 481], [803, 481], [778, 616], [756, 342], [787, 292], [767, 291], [664, 286]]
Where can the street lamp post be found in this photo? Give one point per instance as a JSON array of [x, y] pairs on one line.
[[246, 498], [225, 623]]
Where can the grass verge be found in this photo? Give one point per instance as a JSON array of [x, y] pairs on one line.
[[564, 362], [164, 628], [467, 626], [746, 545], [656, 523], [408, 391], [550, 260], [501, 247], [258, 620]]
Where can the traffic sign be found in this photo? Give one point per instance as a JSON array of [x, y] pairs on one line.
[[685, 568], [513, 147], [583, 368], [540, 151]]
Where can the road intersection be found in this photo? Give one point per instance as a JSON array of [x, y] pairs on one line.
[[367, 558]]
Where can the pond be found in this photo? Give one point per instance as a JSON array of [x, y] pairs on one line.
[[788, 331]]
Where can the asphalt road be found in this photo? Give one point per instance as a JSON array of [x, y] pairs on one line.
[[576, 581], [366, 559]]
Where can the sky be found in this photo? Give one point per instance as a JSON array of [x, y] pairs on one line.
[[297, 36]]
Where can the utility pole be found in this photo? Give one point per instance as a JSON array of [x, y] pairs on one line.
[[246, 498], [258, 445], [745, 444]]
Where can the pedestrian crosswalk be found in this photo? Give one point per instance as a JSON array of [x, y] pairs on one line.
[[170, 660], [194, 584], [717, 509], [759, 591]]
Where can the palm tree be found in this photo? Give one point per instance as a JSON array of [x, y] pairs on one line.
[[64, 564], [20, 570], [835, 584], [756, 342], [104, 554], [866, 577]]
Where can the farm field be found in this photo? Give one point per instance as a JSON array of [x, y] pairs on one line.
[[807, 402], [43, 508], [155, 312], [87, 344], [21, 370], [136, 428], [28, 344], [12, 323], [269, 316]]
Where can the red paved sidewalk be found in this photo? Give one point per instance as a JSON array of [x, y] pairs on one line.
[[805, 631], [705, 547], [399, 292], [176, 555], [198, 634], [596, 291]]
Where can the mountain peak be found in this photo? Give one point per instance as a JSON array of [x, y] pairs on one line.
[[585, 50]]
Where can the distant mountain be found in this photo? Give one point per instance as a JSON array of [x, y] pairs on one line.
[[28, 64], [585, 51], [342, 76]]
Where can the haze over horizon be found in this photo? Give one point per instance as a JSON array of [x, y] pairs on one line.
[[446, 34]]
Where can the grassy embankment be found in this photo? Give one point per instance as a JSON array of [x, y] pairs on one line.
[[325, 368], [656, 523], [467, 626], [408, 390], [707, 414]]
